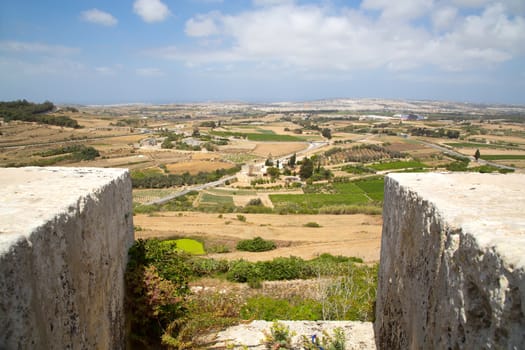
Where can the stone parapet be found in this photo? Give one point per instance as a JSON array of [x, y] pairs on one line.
[[452, 262], [64, 237]]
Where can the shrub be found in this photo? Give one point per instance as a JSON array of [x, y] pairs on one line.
[[207, 267], [153, 301], [311, 224], [255, 201], [275, 270], [326, 342], [268, 308], [241, 217], [279, 337], [255, 245]]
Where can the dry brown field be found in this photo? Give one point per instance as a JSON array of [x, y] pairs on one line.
[[352, 235], [196, 166], [277, 149]]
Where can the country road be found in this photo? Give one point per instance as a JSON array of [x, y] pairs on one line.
[[311, 146]]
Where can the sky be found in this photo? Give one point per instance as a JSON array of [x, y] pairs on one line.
[[168, 51]]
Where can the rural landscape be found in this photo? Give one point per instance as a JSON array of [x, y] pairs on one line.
[[258, 211]]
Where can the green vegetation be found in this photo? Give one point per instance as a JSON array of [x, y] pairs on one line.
[[397, 165], [259, 137], [148, 179], [210, 199], [312, 224], [356, 169], [182, 203], [317, 198], [190, 246], [268, 309], [75, 152], [373, 187], [256, 245], [480, 145], [279, 337], [34, 112], [163, 313], [67, 154], [503, 156]]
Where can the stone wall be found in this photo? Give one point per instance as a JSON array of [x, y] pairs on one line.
[[452, 262], [64, 237]]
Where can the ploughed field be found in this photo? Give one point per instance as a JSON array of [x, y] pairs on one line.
[[356, 235]]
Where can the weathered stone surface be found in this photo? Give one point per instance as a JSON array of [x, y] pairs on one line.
[[64, 237], [358, 335], [452, 262]]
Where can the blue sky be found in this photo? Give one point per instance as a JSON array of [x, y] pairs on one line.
[[162, 51]]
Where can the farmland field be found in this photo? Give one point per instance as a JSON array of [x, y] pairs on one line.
[[211, 199], [266, 136], [503, 156], [350, 235], [397, 165], [196, 166]]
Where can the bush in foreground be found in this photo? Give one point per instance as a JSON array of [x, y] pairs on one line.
[[255, 245]]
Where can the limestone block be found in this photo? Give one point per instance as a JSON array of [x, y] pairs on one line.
[[452, 264], [64, 237]]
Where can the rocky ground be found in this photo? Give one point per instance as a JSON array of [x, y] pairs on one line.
[[359, 335]]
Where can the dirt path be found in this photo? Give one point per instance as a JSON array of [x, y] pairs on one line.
[[353, 235]]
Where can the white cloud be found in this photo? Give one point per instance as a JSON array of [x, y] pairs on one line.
[[99, 17], [149, 72], [314, 38], [399, 9], [35, 47], [151, 10], [201, 26], [444, 17]]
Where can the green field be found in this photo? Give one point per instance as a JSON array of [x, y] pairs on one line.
[[267, 132], [147, 195], [187, 245], [346, 193], [316, 201], [231, 192], [479, 145], [503, 156], [190, 246], [397, 165], [374, 188], [260, 137], [210, 199]]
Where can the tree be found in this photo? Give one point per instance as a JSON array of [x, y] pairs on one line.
[[292, 160], [273, 172], [167, 144], [326, 133], [307, 168], [269, 161], [196, 132], [477, 155]]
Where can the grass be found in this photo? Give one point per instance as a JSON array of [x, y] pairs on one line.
[[357, 195], [478, 145], [397, 165], [316, 201], [211, 199], [503, 156], [190, 246], [231, 192], [146, 195], [374, 188], [260, 137]]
